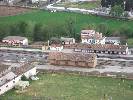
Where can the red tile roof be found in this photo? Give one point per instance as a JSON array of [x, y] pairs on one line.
[[72, 56]]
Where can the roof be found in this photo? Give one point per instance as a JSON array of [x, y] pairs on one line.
[[87, 31], [104, 47], [22, 69], [6, 77], [72, 56], [91, 34], [3, 67], [14, 38], [113, 38], [67, 39]]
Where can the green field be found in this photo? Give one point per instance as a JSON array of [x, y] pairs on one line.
[[74, 87], [55, 20], [83, 5], [46, 17]]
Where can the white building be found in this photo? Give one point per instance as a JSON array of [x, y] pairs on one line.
[[8, 80], [112, 40], [55, 47], [92, 37], [15, 40], [66, 41]]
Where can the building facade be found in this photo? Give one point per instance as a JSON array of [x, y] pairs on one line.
[[100, 48], [73, 59], [66, 41], [10, 79], [92, 37]]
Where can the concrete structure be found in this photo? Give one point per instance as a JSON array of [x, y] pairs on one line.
[[10, 79], [15, 40], [92, 37], [66, 41], [72, 59], [100, 48], [112, 40]]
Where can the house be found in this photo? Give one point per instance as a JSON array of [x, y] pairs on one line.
[[15, 40], [100, 48], [55, 45], [72, 59], [92, 37], [66, 41], [112, 40], [10, 79]]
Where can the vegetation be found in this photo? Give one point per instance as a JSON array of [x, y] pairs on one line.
[[127, 5], [42, 25], [24, 78], [74, 87], [117, 11], [84, 5]]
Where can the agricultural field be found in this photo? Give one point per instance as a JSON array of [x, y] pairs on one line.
[[73, 87], [10, 11], [83, 5], [54, 20], [46, 17]]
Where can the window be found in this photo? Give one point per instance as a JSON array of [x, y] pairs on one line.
[[7, 86]]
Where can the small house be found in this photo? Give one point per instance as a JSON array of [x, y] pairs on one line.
[[66, 41], [15, 40]]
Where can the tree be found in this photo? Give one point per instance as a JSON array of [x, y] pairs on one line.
[[129, 5], [102, 28], [70, 27], [117, 11], [125, 32], [23, 28], [38, 31]]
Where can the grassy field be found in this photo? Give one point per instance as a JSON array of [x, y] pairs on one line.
[[60, 17], [74, 87], [84, 5]]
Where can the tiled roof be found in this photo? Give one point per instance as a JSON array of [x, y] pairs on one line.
[[71, 56], [22, 69], [100, 47], [67, 39], [3, 67]]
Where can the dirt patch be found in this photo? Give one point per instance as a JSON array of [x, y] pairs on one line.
[[11, 10]]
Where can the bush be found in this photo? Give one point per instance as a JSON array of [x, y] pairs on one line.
[[24, 78]]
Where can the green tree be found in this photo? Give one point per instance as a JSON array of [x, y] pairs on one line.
[[70, 27], [117, 11], [38, 32], [102, 28]]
